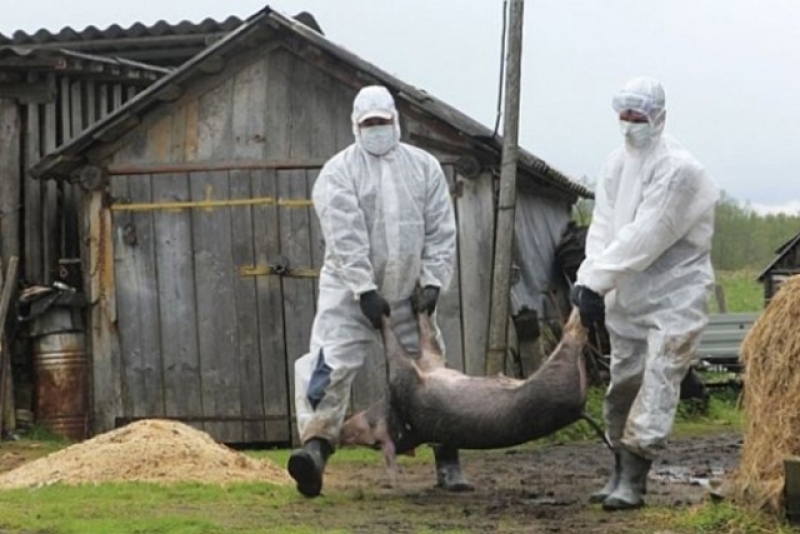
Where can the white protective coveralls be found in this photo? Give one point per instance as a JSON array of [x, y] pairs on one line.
[[388, 223], [648, 252]]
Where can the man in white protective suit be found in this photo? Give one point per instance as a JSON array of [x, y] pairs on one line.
[[648, 275], [388, 223]]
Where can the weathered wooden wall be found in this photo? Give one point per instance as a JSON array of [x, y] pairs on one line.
[[51, 220], [788, 265], [10, 198]]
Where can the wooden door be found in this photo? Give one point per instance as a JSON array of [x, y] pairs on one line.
[[215, 275]]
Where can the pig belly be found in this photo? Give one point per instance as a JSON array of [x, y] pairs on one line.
[[487, 414]]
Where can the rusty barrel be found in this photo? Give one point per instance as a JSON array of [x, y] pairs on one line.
[[62, 383]]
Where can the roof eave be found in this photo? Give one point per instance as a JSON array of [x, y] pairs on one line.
[[56, 164]]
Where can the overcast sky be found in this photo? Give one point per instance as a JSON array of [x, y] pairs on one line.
[[731, 69]]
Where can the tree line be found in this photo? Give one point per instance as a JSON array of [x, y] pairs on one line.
[[743, 238]]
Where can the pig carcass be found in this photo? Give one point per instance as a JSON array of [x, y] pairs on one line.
[[432, 404]]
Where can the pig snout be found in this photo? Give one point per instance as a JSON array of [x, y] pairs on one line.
[[358, 431]]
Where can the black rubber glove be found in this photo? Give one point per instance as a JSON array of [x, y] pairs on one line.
[[591, 306], [575, 296], [374, 307], [427, 300]]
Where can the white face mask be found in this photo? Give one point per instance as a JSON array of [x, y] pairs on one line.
[[637, 134], [378, 140]]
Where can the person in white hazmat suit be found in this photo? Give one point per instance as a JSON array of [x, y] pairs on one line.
[[388, 224], [647, 274]]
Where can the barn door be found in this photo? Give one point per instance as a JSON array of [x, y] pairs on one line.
[[216, 279]]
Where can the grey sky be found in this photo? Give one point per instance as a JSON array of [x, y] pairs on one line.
[[731, 68]]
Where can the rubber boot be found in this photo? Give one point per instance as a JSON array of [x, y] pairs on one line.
[[307, 465], [632, 483], [599, 496], [448, 469]]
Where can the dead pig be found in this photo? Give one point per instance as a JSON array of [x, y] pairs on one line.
[[432, 404]]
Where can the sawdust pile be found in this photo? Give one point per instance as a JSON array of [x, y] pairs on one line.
[[145, 451], [771, 357]]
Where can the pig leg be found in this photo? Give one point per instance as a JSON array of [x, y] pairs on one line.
[[397, 358], [390, 458], [431, 355], [448, 469], [388, 449]]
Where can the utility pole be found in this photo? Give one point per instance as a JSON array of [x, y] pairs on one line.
[[504, 235]]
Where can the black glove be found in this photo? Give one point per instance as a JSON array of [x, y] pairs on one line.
[[591, 306], [575, 295], [428, 298], [374, 307]]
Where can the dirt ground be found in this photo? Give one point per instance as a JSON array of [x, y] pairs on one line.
[[528, 489], [531, 489]]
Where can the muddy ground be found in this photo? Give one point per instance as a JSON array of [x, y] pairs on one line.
[[529, 490]]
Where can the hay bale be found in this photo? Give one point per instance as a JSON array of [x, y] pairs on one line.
[[771, 358]]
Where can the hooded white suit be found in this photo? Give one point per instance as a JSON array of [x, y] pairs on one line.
[[648, 251]]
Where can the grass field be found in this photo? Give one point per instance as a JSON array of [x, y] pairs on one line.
[[742, 292]]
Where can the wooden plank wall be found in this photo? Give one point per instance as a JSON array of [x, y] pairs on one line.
[[449, 312], [192, 328], [10, 195], [51, 210], [476, 236]]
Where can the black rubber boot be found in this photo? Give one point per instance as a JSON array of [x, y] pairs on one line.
[[307, 466], [448, 469], [632, 483], [599, 496]]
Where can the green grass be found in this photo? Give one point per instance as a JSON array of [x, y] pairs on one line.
[[742, 292], [134, 508], [722, 414], [720, 518]]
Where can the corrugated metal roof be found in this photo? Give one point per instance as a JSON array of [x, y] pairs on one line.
[[23, 58], [115, 31], [68, 157]]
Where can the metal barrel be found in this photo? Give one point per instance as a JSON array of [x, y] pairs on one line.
[[62, 383]]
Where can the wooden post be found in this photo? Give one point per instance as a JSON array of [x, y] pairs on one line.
[[791, 489], [501, 281], [719, 293], [10, 179], [7, 420]]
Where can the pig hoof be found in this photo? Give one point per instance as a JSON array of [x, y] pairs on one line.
[[456, 487], [450, 477]]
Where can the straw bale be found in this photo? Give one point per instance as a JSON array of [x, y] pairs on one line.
[[771, 401]]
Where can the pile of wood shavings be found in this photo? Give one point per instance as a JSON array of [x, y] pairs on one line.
[[145, 451]]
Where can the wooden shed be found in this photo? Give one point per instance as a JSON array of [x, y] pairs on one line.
[[202, 248], [48, 96], [785, 264]]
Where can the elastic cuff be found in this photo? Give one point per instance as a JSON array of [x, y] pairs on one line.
[[369, 286], [428, 279]]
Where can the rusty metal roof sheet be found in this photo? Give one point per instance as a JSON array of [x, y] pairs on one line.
[[67, 158]]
